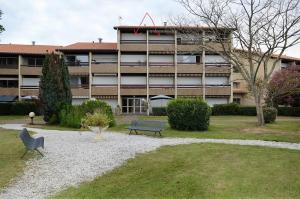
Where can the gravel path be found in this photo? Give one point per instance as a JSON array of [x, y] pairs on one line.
[[71, 158]]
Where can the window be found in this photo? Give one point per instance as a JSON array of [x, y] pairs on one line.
[[237, 100], [236, 84], [9, 83], [77, 60], [189, 59]]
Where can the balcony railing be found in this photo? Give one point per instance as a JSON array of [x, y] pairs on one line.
[[79, 64], [85, 86], [29, 87], [161, 85], [104, 85], [133, 41], [8, 66], [133, 85], [133, 63], [225, 64], [161, 64], [28, 65], [189, 86], [101, 62], [161, 41], [217, 85]]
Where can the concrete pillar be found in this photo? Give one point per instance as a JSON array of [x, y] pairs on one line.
[[147, 78], [119, 67], [90, 75], [175, 64], [19, 77], [203, 66]]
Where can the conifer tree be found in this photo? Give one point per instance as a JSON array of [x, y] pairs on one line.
[[55, 90]]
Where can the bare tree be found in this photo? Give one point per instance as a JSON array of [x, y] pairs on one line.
[[257, 28]]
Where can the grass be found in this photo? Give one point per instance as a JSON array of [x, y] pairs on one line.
[[200, 171], [11, 150], [286, 129]]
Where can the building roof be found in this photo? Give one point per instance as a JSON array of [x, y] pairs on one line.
[[169, 27], [27, 49], [93, 46]]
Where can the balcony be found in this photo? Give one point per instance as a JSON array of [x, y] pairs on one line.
[[157, 46], [104, 89], [78, 70], [29, 90], [161, 67], [31, 70], [218, 68], [133, 89], [217, 46], [104, 67], [9, 91], [80, 90], [189, 90], [218, 90], [161, 90], [133, 67], [189, 68], [133, 45], [189, 48], [9, 69]]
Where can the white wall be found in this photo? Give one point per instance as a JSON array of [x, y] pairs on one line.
[[189, 80], [159, 103], [112, 102], [30, 81], [133, 58], [216, 80], [132, 36], [161, 58], [132, 80], [105, 80], [78, 101], [213, 101], [161, 80], [161, 37], [214, 59], [105, 58]]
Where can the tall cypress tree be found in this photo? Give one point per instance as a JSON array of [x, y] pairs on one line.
[[55, 88]]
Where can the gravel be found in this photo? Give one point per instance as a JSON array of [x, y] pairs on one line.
[[72, 157]]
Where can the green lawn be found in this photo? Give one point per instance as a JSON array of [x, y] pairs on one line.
[[11, 150], [200, 171], [235, 127]]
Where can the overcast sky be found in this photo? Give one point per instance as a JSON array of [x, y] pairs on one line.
[[63, 22]]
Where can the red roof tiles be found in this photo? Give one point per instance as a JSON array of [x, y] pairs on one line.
[[27, 49]]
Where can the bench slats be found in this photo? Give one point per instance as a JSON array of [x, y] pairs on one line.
[[147, 125]]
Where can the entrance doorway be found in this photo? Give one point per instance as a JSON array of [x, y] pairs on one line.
[[134, 105]]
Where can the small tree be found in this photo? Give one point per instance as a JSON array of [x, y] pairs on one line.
[[259, 28], [284, 83], [1, 27], [54, 87]]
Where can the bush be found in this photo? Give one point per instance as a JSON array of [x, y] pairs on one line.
[[270, 114], [188, 114], [5, 108], [96, 119], [159, 111], [71, 116], [225, 109], [289, 111], [247, 110]]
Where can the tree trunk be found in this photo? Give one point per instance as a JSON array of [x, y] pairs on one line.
[[259, 109]]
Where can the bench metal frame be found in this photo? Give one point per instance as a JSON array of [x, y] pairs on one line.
[[135, 127], [31, 144]]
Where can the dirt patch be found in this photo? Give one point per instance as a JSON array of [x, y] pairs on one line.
[[261, 130]]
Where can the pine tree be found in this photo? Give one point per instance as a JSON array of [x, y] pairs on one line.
[[1, 27], [55, 88]]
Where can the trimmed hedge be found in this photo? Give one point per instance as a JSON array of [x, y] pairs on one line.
[[71, 116], [159, 111], [289, 111], [225, 109], [247, 110], [19, 108], [270, 114], [188, 114]]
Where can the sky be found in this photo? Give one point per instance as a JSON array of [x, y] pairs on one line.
[[62, 22]]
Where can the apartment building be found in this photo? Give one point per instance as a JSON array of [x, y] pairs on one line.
[[144, 63]]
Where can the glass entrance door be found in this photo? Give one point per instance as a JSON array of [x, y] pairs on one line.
[[134, 105]]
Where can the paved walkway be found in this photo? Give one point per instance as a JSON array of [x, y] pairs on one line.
[[72, 157]]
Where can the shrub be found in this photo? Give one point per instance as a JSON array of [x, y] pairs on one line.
[[247, 110], [289, 111], [159, 111], [71, 116], [5, 108], [24, 108], [225, 109], [95, 119], [188, 114], [91, 105], [270, 114]]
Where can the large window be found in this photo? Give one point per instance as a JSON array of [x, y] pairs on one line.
[[8, 61], [188, 59], [77, 60], [35, 61]]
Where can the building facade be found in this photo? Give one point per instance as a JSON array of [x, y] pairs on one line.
[[144, 62]]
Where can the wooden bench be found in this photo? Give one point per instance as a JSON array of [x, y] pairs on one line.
[[153, 126], [30, 142]]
